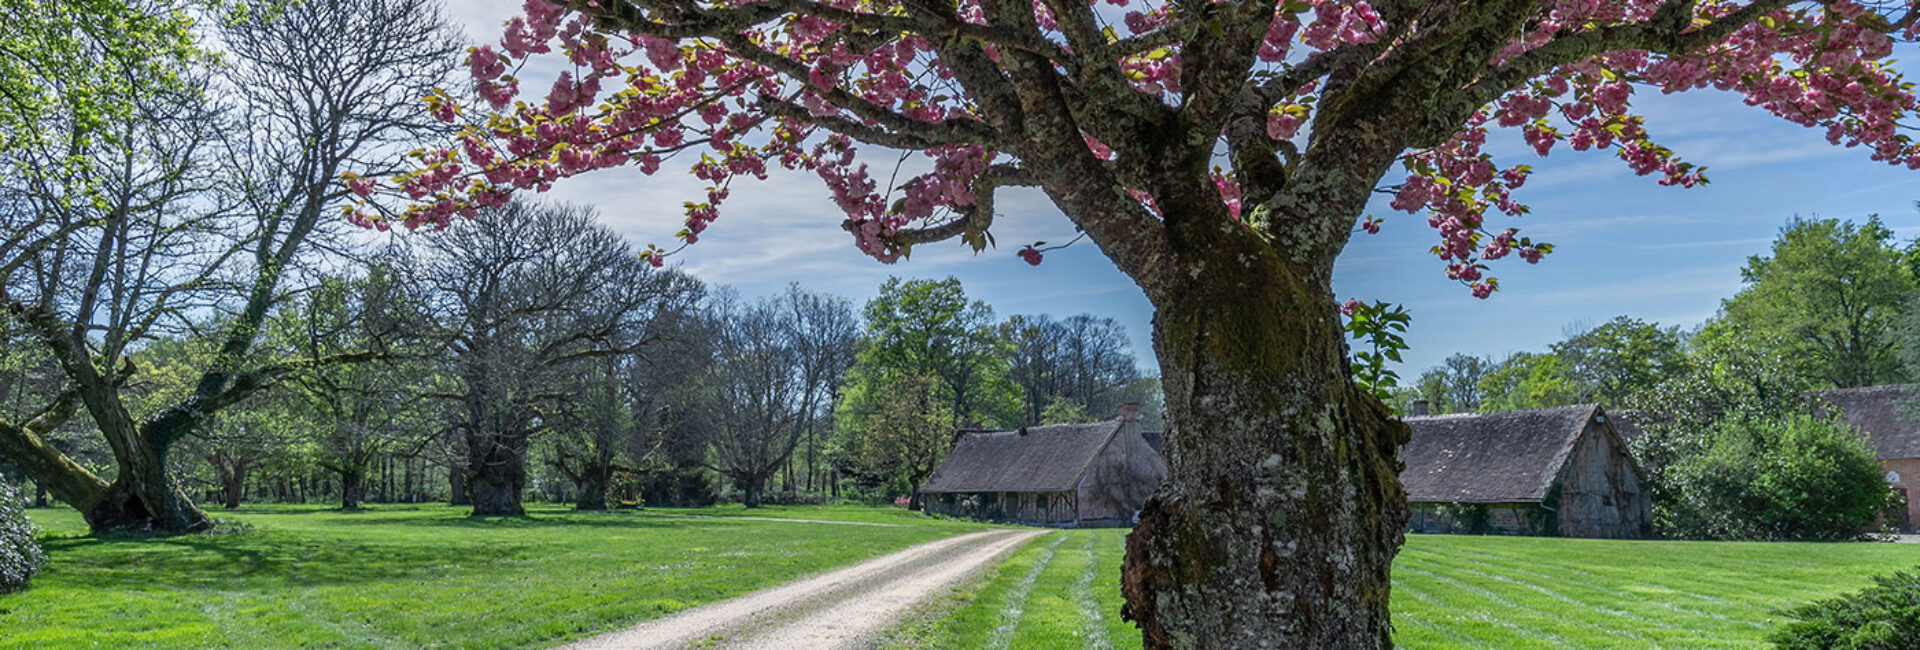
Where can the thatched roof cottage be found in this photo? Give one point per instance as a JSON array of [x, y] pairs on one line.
[[1558, 471], [1070, 475]]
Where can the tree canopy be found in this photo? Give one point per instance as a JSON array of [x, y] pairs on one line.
[[1832, 291], [1281, 468]]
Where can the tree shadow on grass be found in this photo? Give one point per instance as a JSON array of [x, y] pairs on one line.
[[264, 561]]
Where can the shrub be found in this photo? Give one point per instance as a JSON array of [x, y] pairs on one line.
[[1885, 616], [1794, 477], [20, 554]]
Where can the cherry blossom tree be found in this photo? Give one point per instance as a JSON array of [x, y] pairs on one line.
[[1220, 153]]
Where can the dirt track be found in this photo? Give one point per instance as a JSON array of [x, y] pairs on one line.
[[844, 608]]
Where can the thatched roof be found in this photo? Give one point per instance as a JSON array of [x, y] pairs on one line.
[[1154, 439], [1034, 459], [1892, 430], [1505, 457]]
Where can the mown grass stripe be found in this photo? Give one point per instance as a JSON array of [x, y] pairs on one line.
[[1052, 620], [1509, 610], [1096, 638], [1017, 598]]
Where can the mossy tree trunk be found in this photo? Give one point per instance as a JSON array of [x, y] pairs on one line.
[[1284, 499]]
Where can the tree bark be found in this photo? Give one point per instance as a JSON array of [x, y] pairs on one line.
[[1283, 509], [352, 488], [232, 487], [753, 487], [593, 489], [51, 470], [499, 474], [144, 498], [459, 489]]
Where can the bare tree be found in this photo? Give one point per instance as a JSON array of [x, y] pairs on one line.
[[610, 414], [526, 294], [776, 363], [826, 330], [1083, 362]]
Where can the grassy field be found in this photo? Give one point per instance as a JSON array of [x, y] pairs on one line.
[[408, 578], [1453, 592], [405, 578]]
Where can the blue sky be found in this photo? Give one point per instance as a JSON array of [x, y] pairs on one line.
[[1624, 245]]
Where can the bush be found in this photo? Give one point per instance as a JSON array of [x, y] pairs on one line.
[[20, 554], [1885, 616], [1796, 477]]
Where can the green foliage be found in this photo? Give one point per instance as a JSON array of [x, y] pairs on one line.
[[20, 553], [1380, 327], [929, 327], [1728, 378], [1526, 380], [1791, 477], [69, 68], [895, 429], [1454, 385], [680, 487], [1065, 411], [1885, 616], [1831, 293], [1612, 362]]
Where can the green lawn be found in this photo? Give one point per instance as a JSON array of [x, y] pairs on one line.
[[1454, 592], [430, 576], [407, 578]]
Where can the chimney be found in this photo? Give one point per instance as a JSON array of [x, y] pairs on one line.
[[1130, 411], [1419, 407]]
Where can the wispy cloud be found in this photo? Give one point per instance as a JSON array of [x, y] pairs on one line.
[[1707, 243]]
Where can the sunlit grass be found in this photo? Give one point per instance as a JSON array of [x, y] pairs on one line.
[[414, 577], [1467, 592]]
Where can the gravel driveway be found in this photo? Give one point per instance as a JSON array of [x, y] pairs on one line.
[[844, 608]]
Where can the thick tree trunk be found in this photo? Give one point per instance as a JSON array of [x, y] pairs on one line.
[[144, 497], [499, 474], [232, 487], [1283, 510], [593, 489], [352, 488], [753, 487]]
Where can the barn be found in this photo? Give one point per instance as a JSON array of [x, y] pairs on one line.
[[1556, 472], [1066, 475], [1893, 431]]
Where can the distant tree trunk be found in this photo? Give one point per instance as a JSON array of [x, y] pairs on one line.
[[813, 465], [499, 474], [232, 487], [352, 487], [753, 487], [593, 489], [458, 487], [39, 495]]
